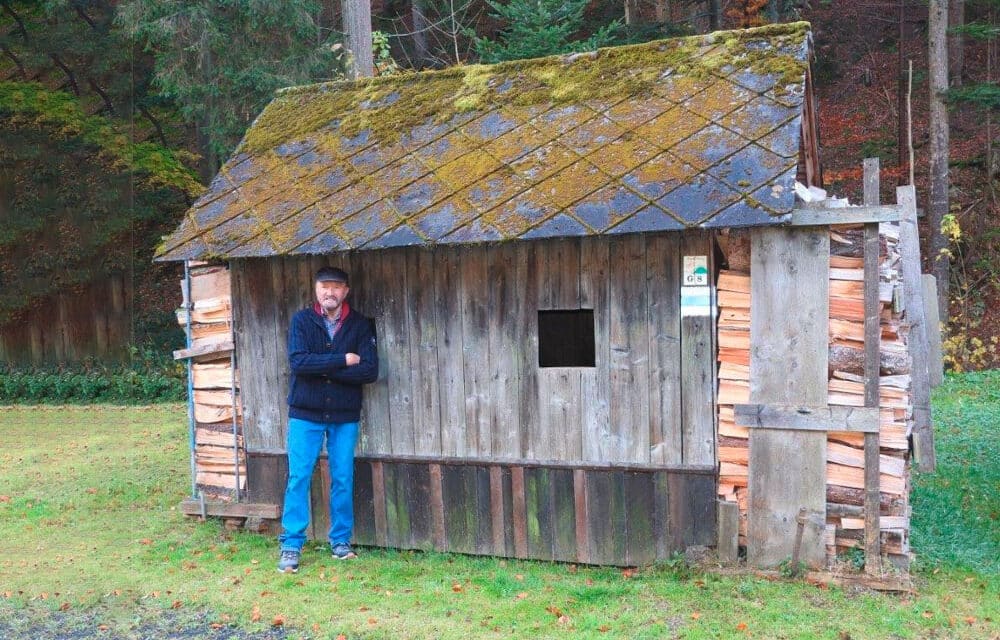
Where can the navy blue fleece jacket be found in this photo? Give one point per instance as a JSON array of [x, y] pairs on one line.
[[322, 387]]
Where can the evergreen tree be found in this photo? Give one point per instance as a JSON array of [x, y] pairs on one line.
[[220, 62], [536, 28]]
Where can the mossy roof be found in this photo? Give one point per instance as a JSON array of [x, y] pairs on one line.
[[695, 132]]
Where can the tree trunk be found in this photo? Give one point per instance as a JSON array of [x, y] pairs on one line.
[[937, 35], [417, 11], [901, 121], [956, 42], [357, 16]]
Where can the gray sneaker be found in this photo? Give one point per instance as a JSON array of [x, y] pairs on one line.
[[289, 561], [342, 551]]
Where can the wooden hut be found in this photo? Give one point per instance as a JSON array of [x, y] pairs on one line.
[[542, 246]]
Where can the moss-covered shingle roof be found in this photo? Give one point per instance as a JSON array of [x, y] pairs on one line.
[[690, 132]]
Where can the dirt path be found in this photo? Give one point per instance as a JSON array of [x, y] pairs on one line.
[[144, 623]]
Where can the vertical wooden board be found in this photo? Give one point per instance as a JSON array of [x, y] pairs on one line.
[[697, 368], [640, 510], [260, 428], [437, 508], [397, 516], [582, 520], [538, 503], [935, 362], [422, 329], [379, 504], [458, 489], [506, 347], [484, 520], [519, 512], [507, 497], [448, 315], [606, 512], [284, 283], [267, 475], [398, 364], [662, 538], [560, 414], [376, 427], [563, 509], [595, 383], [416, 480], [364, 504], [475, 343], [629, 343], [530, 268], [663, 289], [788, 365]]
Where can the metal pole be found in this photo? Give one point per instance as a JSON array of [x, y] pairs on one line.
[[189, 303]]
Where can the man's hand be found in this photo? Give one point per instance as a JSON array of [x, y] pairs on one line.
[[352, 359]]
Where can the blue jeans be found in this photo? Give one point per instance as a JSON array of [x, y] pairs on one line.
[[305, 440]]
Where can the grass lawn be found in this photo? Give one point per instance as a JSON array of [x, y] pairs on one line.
[[93, 542]]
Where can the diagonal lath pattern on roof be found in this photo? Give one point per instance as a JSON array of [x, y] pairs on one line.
[[684, 133]]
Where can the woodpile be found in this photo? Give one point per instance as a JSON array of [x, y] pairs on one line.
[[845, 451], [219, 455]]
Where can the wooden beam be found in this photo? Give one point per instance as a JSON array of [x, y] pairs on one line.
[[807, 418], [873, 332], [192, 507], [822, 216], [909, 247], [215, 350]]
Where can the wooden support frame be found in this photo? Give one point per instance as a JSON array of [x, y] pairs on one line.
[[193, 507], [868, 214], [873, 333], [805, 418]]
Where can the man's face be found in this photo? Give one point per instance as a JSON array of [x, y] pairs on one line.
[[330, 295]]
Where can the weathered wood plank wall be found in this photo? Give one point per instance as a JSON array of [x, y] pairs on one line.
[[631, 515], [458, 343], [91, 322]]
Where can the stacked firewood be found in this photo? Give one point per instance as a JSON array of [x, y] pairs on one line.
[[845, 451], [218, 441]]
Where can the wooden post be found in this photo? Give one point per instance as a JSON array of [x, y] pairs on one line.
[[909, 246], [935, 364], [872, 338]]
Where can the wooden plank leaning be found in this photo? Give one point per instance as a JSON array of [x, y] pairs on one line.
[[873, 334]]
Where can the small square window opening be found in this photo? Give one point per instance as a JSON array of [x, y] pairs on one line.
[[566, 338]]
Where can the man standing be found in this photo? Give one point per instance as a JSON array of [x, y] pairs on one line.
[[331, 354]]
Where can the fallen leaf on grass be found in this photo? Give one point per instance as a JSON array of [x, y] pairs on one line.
[[102, 627], [341, 636], [604, 628], [562, 619], [741, 626], [277, 620], [372, 621], [519, 577], [554, 611], [927, 614], [628, 573], [695, 615], [522, 595], [255, 614], [176, 604], [5, 498], [91, 490], [64, 606], [146, 541], [456, 587], [970, 620]]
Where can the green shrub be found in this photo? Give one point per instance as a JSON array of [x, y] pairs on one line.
[[145, 380]]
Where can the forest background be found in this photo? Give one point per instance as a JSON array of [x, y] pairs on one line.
[[115, 114]]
